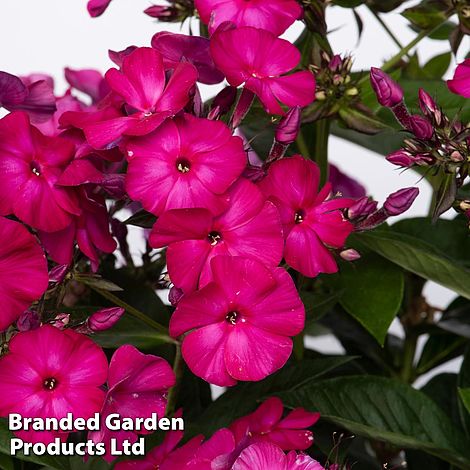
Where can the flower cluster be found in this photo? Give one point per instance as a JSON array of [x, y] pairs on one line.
[[254, 442]]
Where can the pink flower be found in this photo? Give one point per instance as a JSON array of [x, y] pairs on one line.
[[460, 83], [90, 230], [266, 424], [64, 377], [158, 457], [250, 227], [175, 48], [142, 86], [272, 15], [260, 60], [263, 455], [30, 165], [191, 161], [23, 271], [88, 81], [137, 387], [311, 223], [240, 324]]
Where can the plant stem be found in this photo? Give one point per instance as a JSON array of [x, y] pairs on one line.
[[407, 370], [302, 144], [178, 370], [386, 28], [135, 313], [322, 132]]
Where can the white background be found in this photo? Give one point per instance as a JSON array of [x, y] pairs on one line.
[[47, 35]]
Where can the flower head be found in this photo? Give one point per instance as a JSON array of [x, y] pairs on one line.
[[272, 15], [30, 166], [240, 324], [137, 387], [312, 223], [187, 162], [65, 377], [23, 271], [250, 227], [260, 60]]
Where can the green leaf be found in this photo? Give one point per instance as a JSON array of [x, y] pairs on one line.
[[445, 196], [348, 3], [464, 394], [385, 410], [438, 65], [94, 280], [373, 291], [142, 219], [244, 397], [6, 463], [427, 15], [418, 257], [362, 121], [317, 305]]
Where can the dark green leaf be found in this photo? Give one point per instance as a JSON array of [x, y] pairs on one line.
[[348, 3], [98, 282], [427, 15], [456, 318], [317, 305], [438, 65], [142, 219], [464, 394], [385, 410], [373, 291], [6, 462], [361, 121], [418, 257], [445, 196]]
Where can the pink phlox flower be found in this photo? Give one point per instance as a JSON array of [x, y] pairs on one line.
[[460, 82]]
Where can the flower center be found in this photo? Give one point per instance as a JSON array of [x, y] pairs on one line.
[[35, 168], [183, 165], [231, 317], [214, 238], [50, 383], [299, 216]]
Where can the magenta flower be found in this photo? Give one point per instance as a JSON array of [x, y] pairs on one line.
[[142, 86], [260, 60], [240, 324], [460, 83], [272, 15], [250, 227], [23, 271], [263, 455], [88, 81], [30, 165], [266, 424], [312, 224], [97, 7], [65, 377], [187, 162], [175, 48], [137, 387]]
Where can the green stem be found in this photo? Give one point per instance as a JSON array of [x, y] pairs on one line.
[[302, 144], [407, 370], [387, 66], [386, 28], [322, 133], [135, 313], [178, 370]]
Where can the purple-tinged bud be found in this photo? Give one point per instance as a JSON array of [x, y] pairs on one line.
[[114, 185], [401, 158], [456, 156], [29, 320], [174, 296], [429, 107], [289, 126], [58, 273], [335, 63], [222, 102], [61, 320], [105, 318], [242, 107], [400, 201], [159, 12], [388, 91], [362, 208], [421, 127], [350, 254]]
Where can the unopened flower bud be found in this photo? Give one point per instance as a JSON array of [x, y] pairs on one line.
[[401, 158], [320, 95], [58, 273], [222, 102], [105, 318], [242, 107], [352, 91], [362, 208], [61, 320], [421, 127], [289, 126], [456, 156], [160, 12], [350, 254], [174, 296], [388, 91], [400, 201], [464, 205], [29, 320], [335, 63]]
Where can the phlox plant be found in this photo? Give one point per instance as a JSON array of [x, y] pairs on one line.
[[255, 246]]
